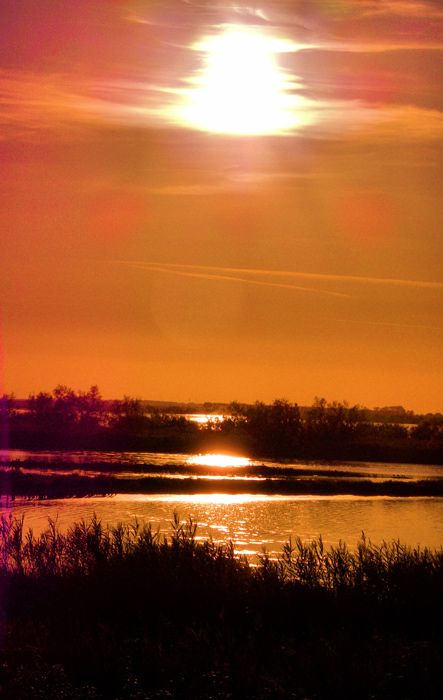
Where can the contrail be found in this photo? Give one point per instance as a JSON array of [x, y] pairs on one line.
[[385, 323], [165, 267], [155, 267]]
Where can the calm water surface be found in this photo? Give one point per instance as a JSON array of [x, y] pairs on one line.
[[368, 469], [253, 522]]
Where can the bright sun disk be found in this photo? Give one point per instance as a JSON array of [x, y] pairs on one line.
[[241, 90]]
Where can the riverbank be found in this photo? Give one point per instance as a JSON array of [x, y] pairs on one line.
[[32, 480], [125, 613]]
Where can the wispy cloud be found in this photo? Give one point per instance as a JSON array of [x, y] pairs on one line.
[[284, 13], [248, 182], [343, 10], [46, 102], [61, 104], [402, 8], [340, 118], [374, 46]]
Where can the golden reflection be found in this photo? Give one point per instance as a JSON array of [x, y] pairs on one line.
[[242, 90], [183, 501], [221, 498], [231, 498], [217, 460], [205, 417]]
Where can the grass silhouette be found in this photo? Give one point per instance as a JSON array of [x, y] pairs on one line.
[[127, 612]]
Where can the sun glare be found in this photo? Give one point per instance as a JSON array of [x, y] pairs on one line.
[[241, 90], [213, 460]]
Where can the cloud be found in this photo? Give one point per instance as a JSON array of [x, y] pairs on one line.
[[62, 104], [403, 8], [36, 103], [248, 182], [376, 46], [410, 122], [340, 119]]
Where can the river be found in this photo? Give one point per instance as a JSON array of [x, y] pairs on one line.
[[253, 522]]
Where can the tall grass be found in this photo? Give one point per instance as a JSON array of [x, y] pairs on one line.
[[89, 545], [376, 569], [129, 612]]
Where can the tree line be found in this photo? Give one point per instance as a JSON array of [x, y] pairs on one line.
[[66, 419]]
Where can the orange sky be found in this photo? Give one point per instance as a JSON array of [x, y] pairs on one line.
[[158, 257]]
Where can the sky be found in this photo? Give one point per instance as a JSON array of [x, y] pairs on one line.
[[218, 201]]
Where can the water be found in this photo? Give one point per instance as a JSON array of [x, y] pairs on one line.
[[376, 470], [253, 521]]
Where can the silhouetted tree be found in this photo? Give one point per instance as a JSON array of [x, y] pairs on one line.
[[7, 415], [41, 408], [64, 411], [128, 416], [65, 406], [429, 430], [275, 428], [90, 408], [330, 424]]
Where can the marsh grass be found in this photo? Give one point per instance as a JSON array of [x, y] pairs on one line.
[[129, 612]]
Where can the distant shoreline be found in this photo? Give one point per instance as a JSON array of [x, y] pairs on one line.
[[67, 421]]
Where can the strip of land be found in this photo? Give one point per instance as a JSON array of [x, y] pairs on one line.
[[15, 483]]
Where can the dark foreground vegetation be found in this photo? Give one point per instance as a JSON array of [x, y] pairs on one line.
[[129, 614], [66, 420]]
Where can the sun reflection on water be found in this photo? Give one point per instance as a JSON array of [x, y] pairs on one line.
[[218, 460], [219, 498]]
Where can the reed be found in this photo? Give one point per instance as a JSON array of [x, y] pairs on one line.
[[131, 613]]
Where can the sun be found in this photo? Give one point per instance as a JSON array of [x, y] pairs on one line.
[[241, 89]]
